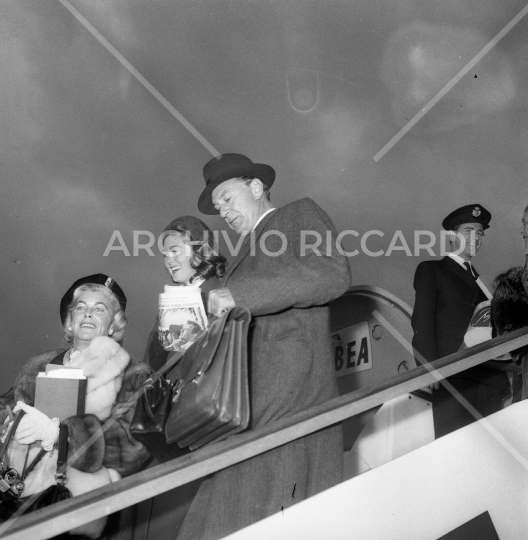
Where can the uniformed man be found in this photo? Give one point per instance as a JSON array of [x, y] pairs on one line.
[[447, 292]]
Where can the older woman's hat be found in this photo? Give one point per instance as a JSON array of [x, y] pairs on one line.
[[227, 166], [471, 213], [98, 279], [196, 228]]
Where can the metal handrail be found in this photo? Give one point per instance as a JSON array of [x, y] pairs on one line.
[[66, 515]]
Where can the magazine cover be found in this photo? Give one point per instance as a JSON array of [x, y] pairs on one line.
[[479, 329], [182, 317]]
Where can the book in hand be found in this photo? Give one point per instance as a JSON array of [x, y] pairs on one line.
[[60, 392], [182, 317]]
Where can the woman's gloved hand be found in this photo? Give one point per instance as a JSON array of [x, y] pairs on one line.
[[36, 426]]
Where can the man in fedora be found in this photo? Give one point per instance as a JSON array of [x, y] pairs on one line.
[[447, 292], [287, 290]]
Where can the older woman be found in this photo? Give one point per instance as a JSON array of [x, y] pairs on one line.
[[100, 448], [190, 259]]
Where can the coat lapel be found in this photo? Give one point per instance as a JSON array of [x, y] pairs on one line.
[[249, 242], [461, 273]]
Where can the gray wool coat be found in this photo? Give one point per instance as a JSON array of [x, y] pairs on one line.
[[291, 369]]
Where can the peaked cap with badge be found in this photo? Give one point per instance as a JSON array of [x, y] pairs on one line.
[[471, 213]]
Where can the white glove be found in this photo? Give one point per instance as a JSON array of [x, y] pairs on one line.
[[36, 426]]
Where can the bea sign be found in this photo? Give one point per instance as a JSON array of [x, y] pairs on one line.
[[352, 349]]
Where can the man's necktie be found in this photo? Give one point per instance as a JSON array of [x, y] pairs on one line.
[[471, 270]]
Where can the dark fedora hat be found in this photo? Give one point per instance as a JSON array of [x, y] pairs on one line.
[[98, 279], [227, 166], [471, 213]]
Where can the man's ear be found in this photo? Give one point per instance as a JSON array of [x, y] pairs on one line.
[[257, 188]]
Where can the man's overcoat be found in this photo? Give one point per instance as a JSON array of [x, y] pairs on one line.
[[287, 290]]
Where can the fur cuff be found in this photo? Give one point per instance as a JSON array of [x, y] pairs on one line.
[[86, 443]]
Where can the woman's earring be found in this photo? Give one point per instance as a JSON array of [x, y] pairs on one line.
[[69, 328], [111, 331]]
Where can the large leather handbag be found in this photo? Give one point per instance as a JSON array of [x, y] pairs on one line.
[[210, 385], [152, 409]]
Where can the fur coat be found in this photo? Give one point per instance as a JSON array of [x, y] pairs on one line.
[[113, 381], [509, 311], [509, 306]]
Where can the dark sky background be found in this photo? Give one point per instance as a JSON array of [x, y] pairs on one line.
[[313, 88]]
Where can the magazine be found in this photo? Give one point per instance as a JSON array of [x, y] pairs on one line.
[[182, 317], [479, 329]]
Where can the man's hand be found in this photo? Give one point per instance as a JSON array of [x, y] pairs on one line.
[[220, 301], [36, 426]]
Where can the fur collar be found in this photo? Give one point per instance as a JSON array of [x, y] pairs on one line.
[[103, 364]]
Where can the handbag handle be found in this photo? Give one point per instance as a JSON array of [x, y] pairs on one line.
[[149, 405], [60, 474], [62, 457], [222, 323], [157, 375], [170, 363]]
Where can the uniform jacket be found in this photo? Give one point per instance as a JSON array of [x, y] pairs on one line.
[[446, 296], [291, 369]]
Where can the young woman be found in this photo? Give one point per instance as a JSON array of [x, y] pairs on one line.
[[190, 259]]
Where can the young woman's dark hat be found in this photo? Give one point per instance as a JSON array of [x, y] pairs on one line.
[[195, 226]]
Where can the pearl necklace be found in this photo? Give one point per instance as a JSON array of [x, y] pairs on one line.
[[74, 354]]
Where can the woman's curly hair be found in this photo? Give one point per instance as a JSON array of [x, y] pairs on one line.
[[205, 260], [119, 318]]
